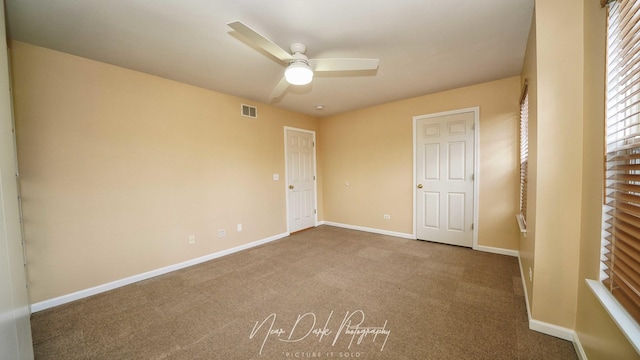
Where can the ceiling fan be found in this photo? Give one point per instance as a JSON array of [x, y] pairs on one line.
[[299, 67]]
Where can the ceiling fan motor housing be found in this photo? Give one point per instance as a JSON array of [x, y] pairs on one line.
[[298, 48]]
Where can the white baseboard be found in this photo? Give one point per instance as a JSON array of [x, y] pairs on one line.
[[46, 304], [541, 326], [500, 251], [551, 329], [577, 345], [524, 286], [489, 249], [367, 229]]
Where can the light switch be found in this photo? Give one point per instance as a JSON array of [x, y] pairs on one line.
[[276, 177]]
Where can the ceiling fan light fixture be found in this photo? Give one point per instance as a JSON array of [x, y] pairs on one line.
[[298, 73]]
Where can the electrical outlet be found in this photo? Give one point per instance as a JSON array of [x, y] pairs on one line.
[[222, 233], [387, 216], [239, 227], [192, 239], [530, 275]]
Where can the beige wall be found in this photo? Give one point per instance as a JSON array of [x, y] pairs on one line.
[[372, 150], [558, 178], [119, 168], [527, 243], [566, 121], [599, 335]]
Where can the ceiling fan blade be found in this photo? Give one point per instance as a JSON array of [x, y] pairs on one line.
[[261, 41], [279, 89], [343, 64]]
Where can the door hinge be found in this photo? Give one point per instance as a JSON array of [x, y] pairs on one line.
[[473, 177], [314, 211], [314, 177], [472, 226], [473, 126]]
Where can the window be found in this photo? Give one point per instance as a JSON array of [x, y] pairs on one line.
[[524, 156], [621, 219]]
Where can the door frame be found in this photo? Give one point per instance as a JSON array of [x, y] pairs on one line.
[[286, 175], [476, 173]]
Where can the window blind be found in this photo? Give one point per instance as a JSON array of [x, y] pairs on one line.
[[524, 152], [620, 262]]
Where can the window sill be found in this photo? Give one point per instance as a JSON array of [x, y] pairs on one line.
[[521, 224], [620, 316]]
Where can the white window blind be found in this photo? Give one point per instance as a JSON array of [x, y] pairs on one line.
[[524, 152], [621, 221]]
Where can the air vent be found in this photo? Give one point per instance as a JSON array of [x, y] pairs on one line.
[[249, 111]]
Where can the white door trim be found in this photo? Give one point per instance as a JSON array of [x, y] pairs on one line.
[[286, 173], [476, 172]]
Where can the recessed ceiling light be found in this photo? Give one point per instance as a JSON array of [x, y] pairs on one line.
[[319, 107]]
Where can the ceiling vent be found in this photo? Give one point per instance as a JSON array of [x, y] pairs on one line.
[[249, 111]]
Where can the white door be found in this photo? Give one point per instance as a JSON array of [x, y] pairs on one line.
[[444, 178], [301, 199]]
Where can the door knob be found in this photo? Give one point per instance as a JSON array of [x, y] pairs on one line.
[[419, 186], [291, 187]]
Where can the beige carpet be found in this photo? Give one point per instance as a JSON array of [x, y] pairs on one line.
[[325, 293]]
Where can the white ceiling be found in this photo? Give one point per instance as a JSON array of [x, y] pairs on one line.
[[424, 46]]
